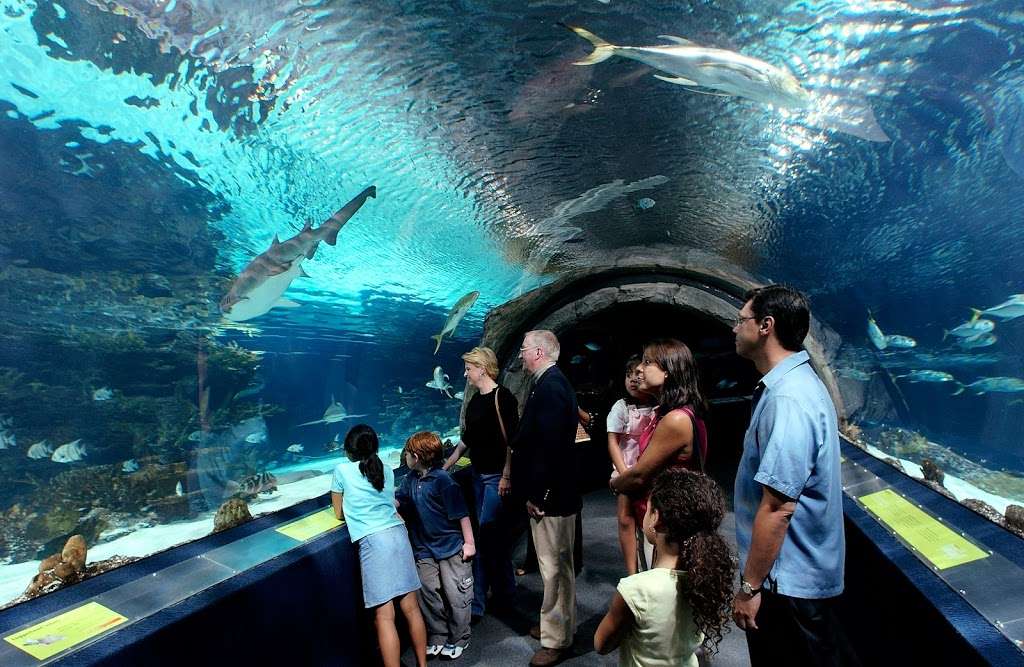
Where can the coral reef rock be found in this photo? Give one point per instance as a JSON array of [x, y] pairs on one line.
[[895, 463], [66, 567], [233, 512], [985, 510], [937, 486], [932, 472], [1015, 519]]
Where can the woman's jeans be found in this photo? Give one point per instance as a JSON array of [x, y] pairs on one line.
[[492, 568]]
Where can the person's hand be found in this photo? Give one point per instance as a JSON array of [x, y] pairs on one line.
[[504, 486], [744, 610], [611, 485], [468, 551], [534, 511]]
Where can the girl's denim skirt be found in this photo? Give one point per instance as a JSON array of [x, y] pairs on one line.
[[387, 566]]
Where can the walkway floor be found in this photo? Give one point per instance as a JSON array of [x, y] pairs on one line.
[[503, 640]]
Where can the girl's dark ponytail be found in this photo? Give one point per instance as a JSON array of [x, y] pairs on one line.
[[690, 508], [361, 444]]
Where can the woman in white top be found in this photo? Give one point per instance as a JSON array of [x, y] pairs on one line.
[[627, 419]]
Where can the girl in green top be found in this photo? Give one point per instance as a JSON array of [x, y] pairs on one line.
[[662, 616]]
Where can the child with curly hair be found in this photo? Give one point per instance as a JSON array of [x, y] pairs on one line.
[[662, 616]]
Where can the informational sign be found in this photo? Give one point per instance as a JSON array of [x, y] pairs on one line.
[[941, 546], [310, 526], [50, 637]]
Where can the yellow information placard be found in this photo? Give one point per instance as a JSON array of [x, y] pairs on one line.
[[936, 542], [47, 639], [310, 526]]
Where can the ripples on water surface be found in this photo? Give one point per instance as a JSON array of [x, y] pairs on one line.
[[151, 149]]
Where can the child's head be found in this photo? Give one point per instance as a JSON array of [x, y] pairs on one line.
[[632, 380], [423, 451], [361, 445], [686, 509]]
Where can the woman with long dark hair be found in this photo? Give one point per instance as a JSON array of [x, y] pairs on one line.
[[666, 614], [676, 437]]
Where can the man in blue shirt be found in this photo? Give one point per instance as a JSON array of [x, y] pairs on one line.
[[788, 495]]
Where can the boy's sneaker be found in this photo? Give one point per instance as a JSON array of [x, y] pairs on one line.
[[453, 652], [434, 650]]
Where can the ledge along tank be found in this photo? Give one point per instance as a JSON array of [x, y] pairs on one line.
[[201, 292]]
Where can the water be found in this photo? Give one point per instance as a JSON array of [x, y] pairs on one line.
[[148, 153]]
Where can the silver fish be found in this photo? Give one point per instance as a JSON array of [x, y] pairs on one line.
[[102, 394], [178, 490], [644, 203], [695, 66], [440, 382], [334, 413], [927, 376], [458, 311], [264, 280], [295, 449], [1000, 385], [69, 452], [875, 334], [41, 450], [901, 342], [855, 374], [983, 340], [8, 440], [1010, 309], [975, 326], [131, 465]]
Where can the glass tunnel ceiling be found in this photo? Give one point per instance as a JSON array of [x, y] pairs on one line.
[[500, 164]]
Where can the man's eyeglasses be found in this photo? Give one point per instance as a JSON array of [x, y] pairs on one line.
[[740, 319]]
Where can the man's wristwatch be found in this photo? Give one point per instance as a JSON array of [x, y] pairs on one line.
[[748, 589]]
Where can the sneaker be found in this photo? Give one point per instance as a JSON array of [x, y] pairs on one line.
[[453, 652], [434, 650]]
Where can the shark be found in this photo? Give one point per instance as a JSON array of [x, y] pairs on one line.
[[695, 67], [458, 311], [334, 413], [261, 284]]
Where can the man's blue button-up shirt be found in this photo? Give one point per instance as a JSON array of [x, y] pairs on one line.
[[792, 445]]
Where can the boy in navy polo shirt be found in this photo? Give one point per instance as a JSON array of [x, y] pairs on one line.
[[432, 505]]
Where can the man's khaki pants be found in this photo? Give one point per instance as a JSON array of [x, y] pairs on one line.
[[553, 537]]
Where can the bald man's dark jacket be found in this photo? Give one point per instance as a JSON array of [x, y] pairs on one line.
[[543, 448]]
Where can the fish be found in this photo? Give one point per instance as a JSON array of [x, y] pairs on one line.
[[254, 485], [399, 389], [295, 449], [1001, 385], [131, 465], [263, 281], [69, 452], [178, 490], [8, 440], [975, 326], [40, 450], [900, 342], [395, 459], [455, 316], [592, 346], [256, 438], [459, 395], [855, 374], [334, 413], [875, 334], [102, 394], [6, 422], [251, 390], [726, 383], [576, 360], [334, 444], [45, 640], [927, 376], [1010, 309], [440, 382], [644, 203], [983, 340], [195, 436], [694, 66]]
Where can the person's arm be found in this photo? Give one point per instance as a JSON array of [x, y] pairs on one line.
[[339, 513], [457, 453], [769, 532], [672, 437], [615, 452], [509, 408], [614, 625], [468, 543]]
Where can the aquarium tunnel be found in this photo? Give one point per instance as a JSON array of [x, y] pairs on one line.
[[233, 230]]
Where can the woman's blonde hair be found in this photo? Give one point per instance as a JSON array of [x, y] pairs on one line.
[[485, 358]]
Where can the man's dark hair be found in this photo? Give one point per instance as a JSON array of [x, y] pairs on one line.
[[788, 307]]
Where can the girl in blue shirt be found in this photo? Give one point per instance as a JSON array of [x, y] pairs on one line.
[[363, 495]]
